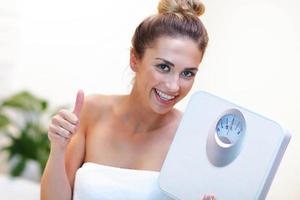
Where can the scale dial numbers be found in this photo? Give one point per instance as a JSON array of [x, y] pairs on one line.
[[229, 128]]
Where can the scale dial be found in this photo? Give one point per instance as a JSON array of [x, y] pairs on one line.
[[229, 129]]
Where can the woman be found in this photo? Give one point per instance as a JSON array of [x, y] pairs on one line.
[[113, 147]]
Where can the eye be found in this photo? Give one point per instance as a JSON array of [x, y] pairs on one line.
[[163, 67], [188, 74]]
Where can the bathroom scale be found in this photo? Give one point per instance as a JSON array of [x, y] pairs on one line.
[[223, 149]]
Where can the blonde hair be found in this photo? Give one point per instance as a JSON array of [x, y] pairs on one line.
[[193, 7], [175, 18]]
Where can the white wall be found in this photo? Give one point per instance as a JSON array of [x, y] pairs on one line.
[[8, 41], [63, 45]]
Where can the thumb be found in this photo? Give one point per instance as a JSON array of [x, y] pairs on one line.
[[78, 103]]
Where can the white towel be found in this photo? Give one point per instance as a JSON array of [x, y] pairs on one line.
[[100, 182]]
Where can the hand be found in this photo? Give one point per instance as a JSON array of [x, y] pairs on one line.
[[65, 123], [209, 197]]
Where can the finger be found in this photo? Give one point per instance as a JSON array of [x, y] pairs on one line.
[[78, 103], [57, 136], [60, 131], [59, 121], [208, 197], [69, 116], [211, 197]]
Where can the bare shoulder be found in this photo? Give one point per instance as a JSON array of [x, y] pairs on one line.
[[178, 112], [175, 119], [96, 101], [97, 106], [94, 107], [177, 115]]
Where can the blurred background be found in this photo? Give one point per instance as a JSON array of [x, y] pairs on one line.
[[50, 49]]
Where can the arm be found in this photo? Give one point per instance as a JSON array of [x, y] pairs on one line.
[[67, 138]]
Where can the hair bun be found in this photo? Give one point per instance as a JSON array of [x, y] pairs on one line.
[[195, 7]]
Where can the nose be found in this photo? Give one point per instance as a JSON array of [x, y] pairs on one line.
[[173, 84]]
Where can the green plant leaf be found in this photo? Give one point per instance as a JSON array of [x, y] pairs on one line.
[[4, 121], [19, 167], [27, 134], [26, 101]]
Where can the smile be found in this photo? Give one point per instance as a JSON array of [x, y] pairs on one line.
[[163, 97]]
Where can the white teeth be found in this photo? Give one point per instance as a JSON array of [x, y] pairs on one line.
[[164, 96]]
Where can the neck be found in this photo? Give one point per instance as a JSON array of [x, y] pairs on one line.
[[138, 118]]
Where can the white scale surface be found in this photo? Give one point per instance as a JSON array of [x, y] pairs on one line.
[[201, 160]]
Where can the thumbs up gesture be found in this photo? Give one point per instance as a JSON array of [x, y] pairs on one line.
[[65, 123]]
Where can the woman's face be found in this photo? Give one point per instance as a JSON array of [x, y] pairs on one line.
[[166, 72]]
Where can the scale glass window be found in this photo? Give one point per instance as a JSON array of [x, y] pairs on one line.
[[229, 128]]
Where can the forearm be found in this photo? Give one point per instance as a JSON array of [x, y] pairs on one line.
[[54, 183]]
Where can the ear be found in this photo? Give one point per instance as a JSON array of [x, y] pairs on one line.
[[133, 60]]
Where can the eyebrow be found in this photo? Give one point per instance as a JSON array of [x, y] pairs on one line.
[[171, 64]]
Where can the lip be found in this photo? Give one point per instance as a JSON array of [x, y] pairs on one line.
[[164, 102]]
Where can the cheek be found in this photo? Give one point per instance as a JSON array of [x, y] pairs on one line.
[[186, 86], [154, 76], [149, 78]]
